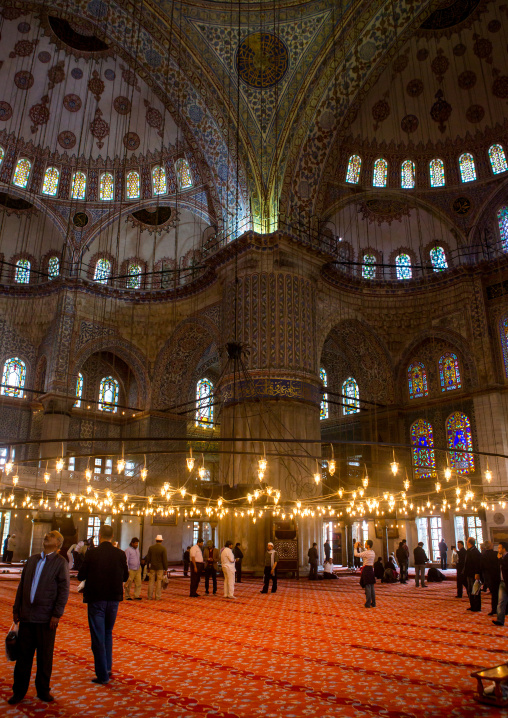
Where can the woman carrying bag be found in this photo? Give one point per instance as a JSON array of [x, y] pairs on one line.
[[368, 578]]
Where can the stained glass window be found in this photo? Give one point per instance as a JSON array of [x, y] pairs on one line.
[[438, 259], [323, 414], [13, 377], [50, 184], [353, 169], [458, 434], [22, 172], [183, 173], [503, 330], [159, 180], [417, 380], [133, 185], [380, 173], [403, 266], [467, 167], [79, 390], [204, 400], [422, 440], [2, 155], [407, 174], [102, 270], [449, 372], [497, 159], [22, 273], [350, 396], [108, 394], [437, 178], [78, 190], [53, 267], [134, 278], [107, 187], [502, 220], [369, 266]]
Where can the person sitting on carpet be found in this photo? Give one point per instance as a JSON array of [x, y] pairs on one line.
[[379, 569], [392, 565], [328, 569]]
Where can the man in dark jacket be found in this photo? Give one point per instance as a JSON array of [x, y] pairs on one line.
[[186, 561], [328, 550], [421, 559], [472, 571], [157, 560], [402, 558], [461, 559], [312, 553], [238, 554], [491, 574], [502, 555], [104, 571], [443, 548], [39, 604]]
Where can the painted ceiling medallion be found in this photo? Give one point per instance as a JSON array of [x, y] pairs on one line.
[[5, 111], [96, 85], [440, 111], [409, 123], [467, 80], [461, 205], [380, 111], [122, 105], [154, 118], [129, 77], [67, 139], [99, 128], [56, 74], [475, 113], [23, 48], [39, 114], [414, 88], [80, 219], [262, 59], [440, 65], [131, 141], [23, 80], [482, 48], [44, 56], [500, 87], [72, 103]]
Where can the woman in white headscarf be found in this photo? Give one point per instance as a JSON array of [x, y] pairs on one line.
[[228, 569]]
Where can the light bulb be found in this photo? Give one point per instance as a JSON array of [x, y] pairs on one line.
[[488, 475], [15, 480], [406, 484], [219, 503], [201, 472], [438, 486], [448, 473], [385, 496], [331, 467], [194, 499], [58, 495], [8, 467], [340, 492], [144, 473], [88, 474], [317, 478], [365, 481], [190, 462], [183, 491], [46, 478], [262, 463], [394, 467], [261, 474], [59, 464], [120, 465]]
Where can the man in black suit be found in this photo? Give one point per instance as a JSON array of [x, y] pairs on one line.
[[491, 574], [104, 571], [502, 555], [443, 548], [472, 571], [39, 604], [461, 559], [313, 555]]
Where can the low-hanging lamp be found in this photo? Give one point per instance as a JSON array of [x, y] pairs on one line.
[[394, 465], [202, 470], [190, 460], [144, 470], [331, 463], [317, 475], [488, 474], [120, 464]]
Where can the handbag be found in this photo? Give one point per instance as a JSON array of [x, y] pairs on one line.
[[165, 581], [11, 643], [477, 587]]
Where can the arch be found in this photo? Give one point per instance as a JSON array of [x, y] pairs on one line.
[[107, 187], [109, 390], [204, 403], [408, 174], [323, 411], [13, 378], [183, 173], [497, 159], [438, 259], [79, 390], [437, 173], [417, 380], [78, 185], [159, 181], [50, 182], [369, 266], [354, 166], [22, 172], [424, 457], [467, 167], [459, 440], [350, 397], [380, 173], [449, 372], [403, 268], [132, 185]]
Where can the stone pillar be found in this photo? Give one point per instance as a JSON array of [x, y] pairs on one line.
[[491, 414], [55, 424]]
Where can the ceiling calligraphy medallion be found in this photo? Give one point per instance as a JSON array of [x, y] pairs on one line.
[[262, 59]]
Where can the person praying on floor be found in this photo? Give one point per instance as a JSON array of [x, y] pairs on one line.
[[379, 569], [328, 569], [368, 578]]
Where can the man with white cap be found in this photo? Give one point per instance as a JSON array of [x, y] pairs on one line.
[[228, 561], [271, 560], [157, 561]]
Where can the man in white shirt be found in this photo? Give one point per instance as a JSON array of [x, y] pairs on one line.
[[228, 561], [196, 567], [368, 578]]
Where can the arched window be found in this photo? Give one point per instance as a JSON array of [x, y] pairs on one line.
[[22, 172], [403, 266], [79, 390], [436, 168], [497, 159], [108, 394], [350, 396], [467, 167], [458, 435], [417, 380], [449, 372], [183, 173], [160, 185], [438, 259], [380, 173], [107, 187], [13, 378], [50, 184], [132, 185], [22, 271], [323, 414], [502, 220], [102, 271], [407, 174], [134, 278], [503, 331], [78, 189], [422, 440], [53, 267], [2, 155], [204, 400], [353, 169], [369, 266]]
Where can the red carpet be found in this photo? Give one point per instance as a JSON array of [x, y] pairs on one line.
[[312, 649]]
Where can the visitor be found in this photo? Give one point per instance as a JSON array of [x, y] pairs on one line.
[[238, 553], [227, 559], [394, 561], [461, 559], [328, 569], [379, 569], [11, 547], [104, 572], [157, 561], [390, 572], [455, 556], [420, 559], [491, 574], [443, 548], [270, 570], [328, 550], [186, 561], [368, 578], [134, 566], [402, 558], [502, 555], [472, 571], [210, 558], [313, 555], [4, 551], [40, 601], [196, 567]]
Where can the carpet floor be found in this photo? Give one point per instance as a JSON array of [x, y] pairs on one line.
[[311, 649]]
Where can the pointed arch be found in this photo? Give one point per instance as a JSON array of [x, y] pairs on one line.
[[422, 441], [369, 266], [78, 187], [132, 185], [102, 270], [109, 390], [449, 372], [459, 439], [417, 380], [13, 378], [159, 182], [204, 403], [22, 271], [350, 396]]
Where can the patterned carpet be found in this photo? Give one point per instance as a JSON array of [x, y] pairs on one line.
[[312, 649]]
